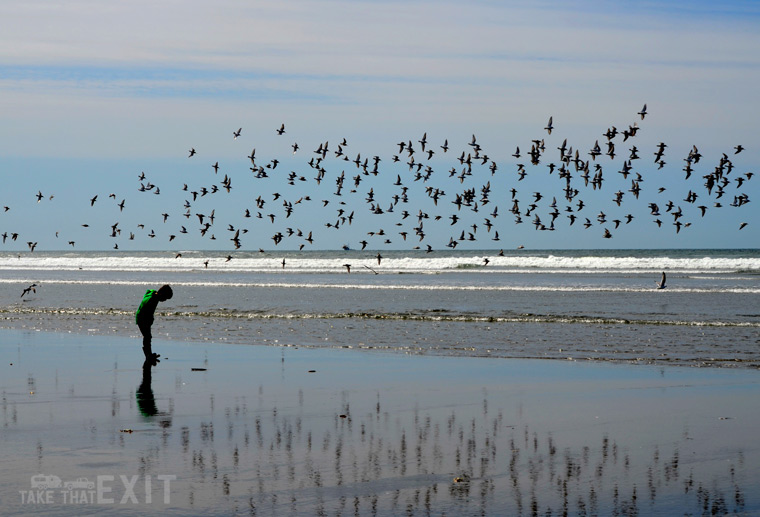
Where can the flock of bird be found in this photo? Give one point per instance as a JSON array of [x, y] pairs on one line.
[[412, 196]]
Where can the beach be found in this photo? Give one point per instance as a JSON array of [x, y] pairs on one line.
[[533, 304], [554, 382], [224, 429], [420, 259]]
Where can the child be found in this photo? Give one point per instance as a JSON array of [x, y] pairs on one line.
[[144, 316]]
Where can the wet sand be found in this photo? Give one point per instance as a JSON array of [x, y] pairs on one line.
[[254, 430]]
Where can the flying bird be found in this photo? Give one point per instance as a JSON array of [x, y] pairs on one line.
[[31, 288], [549, 126]]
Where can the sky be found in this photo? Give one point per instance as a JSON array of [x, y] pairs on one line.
[[93, 94]]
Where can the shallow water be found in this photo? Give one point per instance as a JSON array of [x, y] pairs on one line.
[[291, 431]]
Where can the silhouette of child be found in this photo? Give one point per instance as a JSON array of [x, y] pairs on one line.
[[146, 402], [144, 317]]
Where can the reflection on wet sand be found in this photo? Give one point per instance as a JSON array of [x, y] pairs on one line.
[[146, 402], [433, 460], [266, 437]]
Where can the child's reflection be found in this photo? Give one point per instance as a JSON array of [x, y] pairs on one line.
[[145, 400]]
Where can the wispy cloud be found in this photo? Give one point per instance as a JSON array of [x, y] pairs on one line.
[[486, 60]]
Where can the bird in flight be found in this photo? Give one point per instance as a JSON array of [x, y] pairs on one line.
[[549, 126], [31, 288]]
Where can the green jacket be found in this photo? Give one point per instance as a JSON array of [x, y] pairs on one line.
[[147, 307]]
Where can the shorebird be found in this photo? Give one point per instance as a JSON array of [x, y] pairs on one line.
[[661, 283], [549, 126], [570, 166], [31, 288]]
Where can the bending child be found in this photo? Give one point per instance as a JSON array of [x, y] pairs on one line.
[[144, 317]]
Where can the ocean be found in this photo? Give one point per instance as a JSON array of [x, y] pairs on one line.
[[597, 305]]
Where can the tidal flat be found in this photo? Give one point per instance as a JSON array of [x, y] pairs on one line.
[[221, 429]]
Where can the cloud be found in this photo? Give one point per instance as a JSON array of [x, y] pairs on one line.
[[483, 63]]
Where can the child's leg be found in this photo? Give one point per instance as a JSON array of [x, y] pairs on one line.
[[145, 330]]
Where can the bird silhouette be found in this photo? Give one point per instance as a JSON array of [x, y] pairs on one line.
[[32, 288]]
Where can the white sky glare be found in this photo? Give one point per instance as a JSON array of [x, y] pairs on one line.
[[92, 93]]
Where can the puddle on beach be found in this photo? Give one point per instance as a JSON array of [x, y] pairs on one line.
[[285, 431]]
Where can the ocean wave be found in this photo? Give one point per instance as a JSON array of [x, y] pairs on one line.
[[393, 263]]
